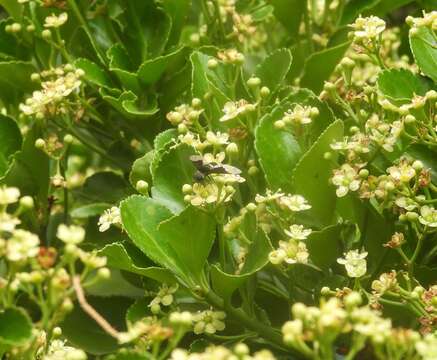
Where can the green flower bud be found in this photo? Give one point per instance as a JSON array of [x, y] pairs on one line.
[[46, 34], [254, 82], [142, 187], [264, 92]]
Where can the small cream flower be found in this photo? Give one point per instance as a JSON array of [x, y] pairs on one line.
[[346, 178], [427, 348], [58, 350], [300, 115], [298, 232], [232, 109], [355, 263], [294, 203], [163, 297], [404, 172], [110, 217], [428, 216], [8, 222], [22, 245], [9, 195], [55, 21], [368, 28], [291, 252], [209, 322], [406, 203], [71, 234]]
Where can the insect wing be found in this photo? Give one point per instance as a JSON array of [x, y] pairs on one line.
[[231, 170]]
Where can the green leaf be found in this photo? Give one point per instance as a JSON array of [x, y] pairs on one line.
[[325, 246], [354, 8], [94, 73], [423, 46], [151, 70], [115, 285], [401, 85], [173, 171], [121, 66], [312, 174], [128, 104], [91, 210], [170, 241], [83, 332], [124, 256], [15, 80], [13, 8], [141, 169], [178, 10], [10, 142], [15, 327], [105, 187], [257, 257], [278, 151], [320, 65], [30, 168], [289, 13], [273, 70]]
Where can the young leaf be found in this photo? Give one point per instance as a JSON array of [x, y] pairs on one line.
[[319, 66], [289, 13], [93, 73], [172, 172], [273, 70], [225, 284], [400, 85], [278, 151], [15, 327], [170, 241], [424, 50], [124, 256], [312, 174]]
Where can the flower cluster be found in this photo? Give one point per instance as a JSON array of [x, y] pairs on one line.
[[56, 86]]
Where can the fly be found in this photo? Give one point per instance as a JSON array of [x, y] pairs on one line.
[[204, 169]]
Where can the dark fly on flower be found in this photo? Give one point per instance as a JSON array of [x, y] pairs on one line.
[[205, 169]]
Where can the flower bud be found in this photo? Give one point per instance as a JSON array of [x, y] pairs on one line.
[[27, 202], [104, 273], [68, 139], [212, 63], [30, 28], [35, 77], [253, 170], [155, 309], [46, 34], [251, 207], [410, 119], [327, 155], [279, 124], [196, 103], [364, 173], [15, 27], [412, 216], [57, 331], [241, 350], [142, 187], [353, 299], [254, 82], [187, 188], [264, 92], [40, 144], [417, 165], [325, 290]]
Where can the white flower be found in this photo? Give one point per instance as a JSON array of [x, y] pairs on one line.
[[269, 197], [427, 348], [59, 351], [109, 217], [56, 21], [217, 139], [368, 28], [291, 252], [428, 216], [404, 172], [355, 263], [232, 109], [9, 195], [406, 203], [163, 297], [22, 245], [209, 193], [298, 232], [346, 178], [294, 202], [209, 322], [8, 222], [368, 322], [300, 115], [71, 234]]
